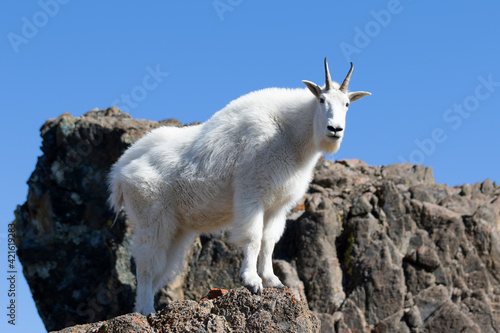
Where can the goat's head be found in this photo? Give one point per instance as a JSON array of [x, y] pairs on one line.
[[332, 103]]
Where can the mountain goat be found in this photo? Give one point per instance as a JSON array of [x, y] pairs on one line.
[[244, 169]]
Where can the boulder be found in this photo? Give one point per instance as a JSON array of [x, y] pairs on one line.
[[238, 311]]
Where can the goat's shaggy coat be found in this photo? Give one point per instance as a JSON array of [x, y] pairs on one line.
[[244, 168]]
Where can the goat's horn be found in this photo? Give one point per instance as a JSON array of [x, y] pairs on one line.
[[328, 79], [345, 84]]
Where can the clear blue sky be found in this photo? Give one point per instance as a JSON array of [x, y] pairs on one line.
[[433, 69]]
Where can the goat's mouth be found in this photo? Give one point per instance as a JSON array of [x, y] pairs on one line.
[[333, 136]]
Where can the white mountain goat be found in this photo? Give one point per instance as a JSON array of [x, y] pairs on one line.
[[244, 169]]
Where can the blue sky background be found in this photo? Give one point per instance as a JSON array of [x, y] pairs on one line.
[[433, 69]]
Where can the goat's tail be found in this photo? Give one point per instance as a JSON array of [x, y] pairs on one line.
[[115, 199]]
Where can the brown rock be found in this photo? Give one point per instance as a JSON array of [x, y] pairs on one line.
[[129, 323]]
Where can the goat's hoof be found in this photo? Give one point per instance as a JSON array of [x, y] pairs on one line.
[[257, 290], [146, 310], [252, 282], [272, 282]]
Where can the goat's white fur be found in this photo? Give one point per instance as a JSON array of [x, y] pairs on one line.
[[244, 168]]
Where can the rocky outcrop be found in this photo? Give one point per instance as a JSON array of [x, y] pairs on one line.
[[413, 255], [382, 249], [236, 311]]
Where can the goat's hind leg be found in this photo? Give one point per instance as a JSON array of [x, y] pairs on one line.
[[174, 257], [151, 244], [149, 265]]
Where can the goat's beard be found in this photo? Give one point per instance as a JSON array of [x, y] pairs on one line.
[[329, 146]]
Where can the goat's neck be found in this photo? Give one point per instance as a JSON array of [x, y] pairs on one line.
[[307, 150]]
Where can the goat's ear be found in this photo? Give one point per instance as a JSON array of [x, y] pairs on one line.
[[313, 87], [354, 96]]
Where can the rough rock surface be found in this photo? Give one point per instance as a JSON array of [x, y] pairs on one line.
[[238, 311], [381, 249]]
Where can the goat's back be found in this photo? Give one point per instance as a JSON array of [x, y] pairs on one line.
[[190, 174]]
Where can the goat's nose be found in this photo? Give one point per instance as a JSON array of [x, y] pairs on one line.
[[334, 129]]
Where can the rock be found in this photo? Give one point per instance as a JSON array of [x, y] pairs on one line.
[[235, 311], [381, 249], [408, 174], [413, 317], [449, 318], [276, 310], [421, 251], [432, 193], [480, 308], [393, 323], [79, 267], [212, 263], [431, 299], [315, 252], [129, 323], [289, 277], [353, 317], [327, 322]]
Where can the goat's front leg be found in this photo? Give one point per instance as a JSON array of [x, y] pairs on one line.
[[248, 271], [247, 233], [274, 225]]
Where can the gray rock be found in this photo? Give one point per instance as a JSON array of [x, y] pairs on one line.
[[449, 318], [432, 193], [79, 267], [316, 255], [290, 278], [413, 317], [408, 174], [431, 299]]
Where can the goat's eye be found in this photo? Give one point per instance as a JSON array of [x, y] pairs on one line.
[[346, 104], [322, 100]]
